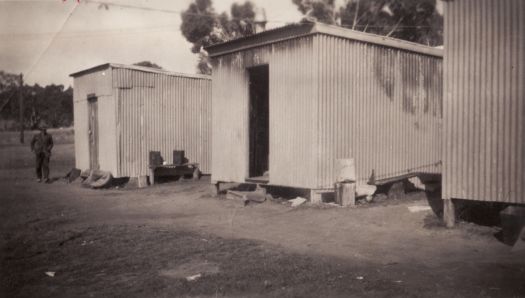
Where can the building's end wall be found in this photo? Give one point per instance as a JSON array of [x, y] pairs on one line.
[[80, 113], [98, 83], [292, 99], [484, 106]]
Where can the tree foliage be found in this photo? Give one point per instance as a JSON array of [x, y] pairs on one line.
[[148, 64], [411, 20], [317, 10], [51, 105], [202, 27]]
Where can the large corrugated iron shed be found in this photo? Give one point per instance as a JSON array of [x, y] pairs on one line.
[[122, 112], [484, 104], [331, 93]]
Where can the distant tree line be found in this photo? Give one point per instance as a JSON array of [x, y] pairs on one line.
[[202, 27], [148, 64], [50, 105], [411, 20]]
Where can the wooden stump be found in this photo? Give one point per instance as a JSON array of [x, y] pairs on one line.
[[345, 193], [216, 188], [196, 174], [142, 181], [152, 176], [449, 213]]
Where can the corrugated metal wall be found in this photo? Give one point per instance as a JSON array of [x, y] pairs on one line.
[[158, 112], [293, 113], [292, 72], [380, 106], [330, 98], [484, 106], [100, 84]]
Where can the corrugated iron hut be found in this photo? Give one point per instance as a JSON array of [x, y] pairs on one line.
[[293, 100], [484, 103], [122, 112]]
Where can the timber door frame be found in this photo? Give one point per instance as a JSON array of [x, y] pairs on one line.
[[258, 123], [93, 132]]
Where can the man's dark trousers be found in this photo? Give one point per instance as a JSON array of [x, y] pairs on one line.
[[42, 165]]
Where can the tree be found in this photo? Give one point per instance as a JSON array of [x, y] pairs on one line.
[[411, 20], [317, 10], [202, 27], [8, 85], [148, 64], [51, 105]]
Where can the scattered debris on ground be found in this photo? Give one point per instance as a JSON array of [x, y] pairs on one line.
[[246, 197], [193, 277], [519, 246], [97, 179], [297, 201], [365, 190], [73, 175], [415, 209], [512, 223]]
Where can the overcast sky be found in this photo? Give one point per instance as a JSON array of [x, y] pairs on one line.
[[29, 42]]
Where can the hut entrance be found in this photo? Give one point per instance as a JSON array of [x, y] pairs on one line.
[[93, 132], [259, 120]]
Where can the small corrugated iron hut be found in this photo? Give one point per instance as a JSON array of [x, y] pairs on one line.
[[122, 112], [484, 103], [293, 100]]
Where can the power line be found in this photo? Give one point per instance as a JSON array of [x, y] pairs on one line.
[[152, 9], [107, 3], [27, 1], [52, 40], [232, 18], [88, 32], [32, 67]]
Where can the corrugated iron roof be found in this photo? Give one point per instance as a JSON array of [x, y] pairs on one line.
[[137, 68], [303, 29]]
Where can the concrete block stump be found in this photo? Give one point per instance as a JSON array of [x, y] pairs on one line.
[[449, 213], [142, 181], [315, 197]]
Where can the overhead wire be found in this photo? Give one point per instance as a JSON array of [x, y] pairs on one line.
[[144, 8], [32, 67], [152, 9]]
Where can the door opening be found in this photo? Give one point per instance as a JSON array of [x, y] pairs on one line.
[[259, 120], [93, 132]]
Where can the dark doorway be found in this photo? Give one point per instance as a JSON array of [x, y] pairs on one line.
[[259, 120], [93, 132]]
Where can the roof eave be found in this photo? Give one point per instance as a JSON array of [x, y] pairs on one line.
[[90, 70], [319, 28], [137, 68], [378, 40]]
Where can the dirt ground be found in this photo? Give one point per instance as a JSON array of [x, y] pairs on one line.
[[176, 239]]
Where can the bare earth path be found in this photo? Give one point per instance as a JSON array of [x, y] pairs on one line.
[[145, 243]]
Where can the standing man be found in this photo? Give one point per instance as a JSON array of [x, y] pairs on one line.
[[42, 144]]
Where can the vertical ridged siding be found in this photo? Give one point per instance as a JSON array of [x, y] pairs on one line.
[[100, 84], [292, 96], [159, 112], [330, 98], [484, 106], [380, 106], [293, 113]]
